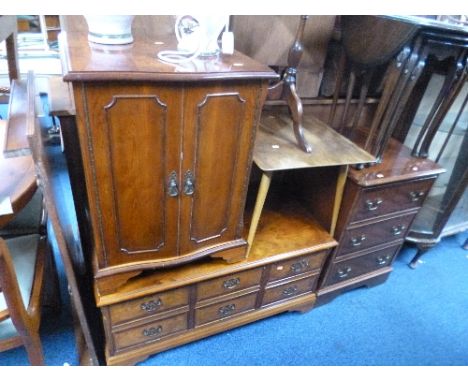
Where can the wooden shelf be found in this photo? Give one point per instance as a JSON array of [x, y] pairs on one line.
[[276, 148], [284, 232], [288, 228]]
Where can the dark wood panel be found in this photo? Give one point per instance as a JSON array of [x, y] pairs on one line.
[[150, 332], [143, 131], [296, 266], [226, 309], [379, 201], [215, 162], [219, 129], [130, 138], [289, 290], [228, 284], [348, 269], [385, 231], [148, 305]]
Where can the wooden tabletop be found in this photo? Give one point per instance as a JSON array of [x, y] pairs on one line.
[[86, 61], [276, 148], [18, 180]]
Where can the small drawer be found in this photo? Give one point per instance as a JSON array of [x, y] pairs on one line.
[[225, 309], [147, 306], [228, 284], [383, 200], [289, 290], [367, 236], [150, 332], [357, 266], [293, 267]]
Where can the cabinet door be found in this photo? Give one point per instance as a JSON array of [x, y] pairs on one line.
[[132, 147], [219, 130]]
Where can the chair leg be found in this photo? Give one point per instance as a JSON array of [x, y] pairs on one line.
[[51, 297], [33, 347], [422, 249]]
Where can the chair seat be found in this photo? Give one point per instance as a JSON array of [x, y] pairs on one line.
[[23, 251], [27, 221]]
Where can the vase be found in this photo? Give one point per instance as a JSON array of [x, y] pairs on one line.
[[110, 29]]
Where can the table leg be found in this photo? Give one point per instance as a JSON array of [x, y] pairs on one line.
[[260, 201], [340, 185]]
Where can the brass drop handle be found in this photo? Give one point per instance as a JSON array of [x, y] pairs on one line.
[[153, 331], [372, 205], [189, 187], [173, 189], [398, 229], [231, 283], [290, 291], [383, 260], [357, 240], [415, 196], [151, 306], [343, 272], [227, 310], [299, 266]]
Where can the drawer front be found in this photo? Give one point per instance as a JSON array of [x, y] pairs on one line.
[[357, 266], [387, 199], [367, 236], [289, 290], [225, 309], [150, 332], [296, 266], [228, 284], [147, 306]]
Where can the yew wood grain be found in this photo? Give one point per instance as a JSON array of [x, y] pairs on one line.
[[127, 133], [282, 235], [84, 61]]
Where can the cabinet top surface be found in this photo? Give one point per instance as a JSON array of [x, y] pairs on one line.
[[397, 165], [86, 61]]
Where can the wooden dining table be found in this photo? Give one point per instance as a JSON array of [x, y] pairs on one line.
[[17, 182]]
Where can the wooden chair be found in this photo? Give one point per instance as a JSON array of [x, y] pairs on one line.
[[22, 263]]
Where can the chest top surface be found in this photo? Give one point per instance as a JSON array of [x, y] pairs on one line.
[[86, 61]]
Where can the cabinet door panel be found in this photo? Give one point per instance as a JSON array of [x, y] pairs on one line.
[[135, 139], [217, 141]]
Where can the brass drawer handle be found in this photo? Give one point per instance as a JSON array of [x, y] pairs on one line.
[[356, 241], [398, 229], [300, 266], [153, 331], [372, 205], [342, 273], [290, 291], [383, 260], [173, 189], [151, 306], [415, 196], [189, 187], [226, 310], [231, 283]]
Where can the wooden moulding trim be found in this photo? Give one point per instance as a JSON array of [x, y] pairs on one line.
[[356, 280], [170, 77], [163, 263], [422, 175], [210, 329], [103, 299]]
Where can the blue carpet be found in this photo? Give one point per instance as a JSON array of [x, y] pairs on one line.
[[418, 317]]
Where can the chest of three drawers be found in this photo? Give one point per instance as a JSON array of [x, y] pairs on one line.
[[378, 208]]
